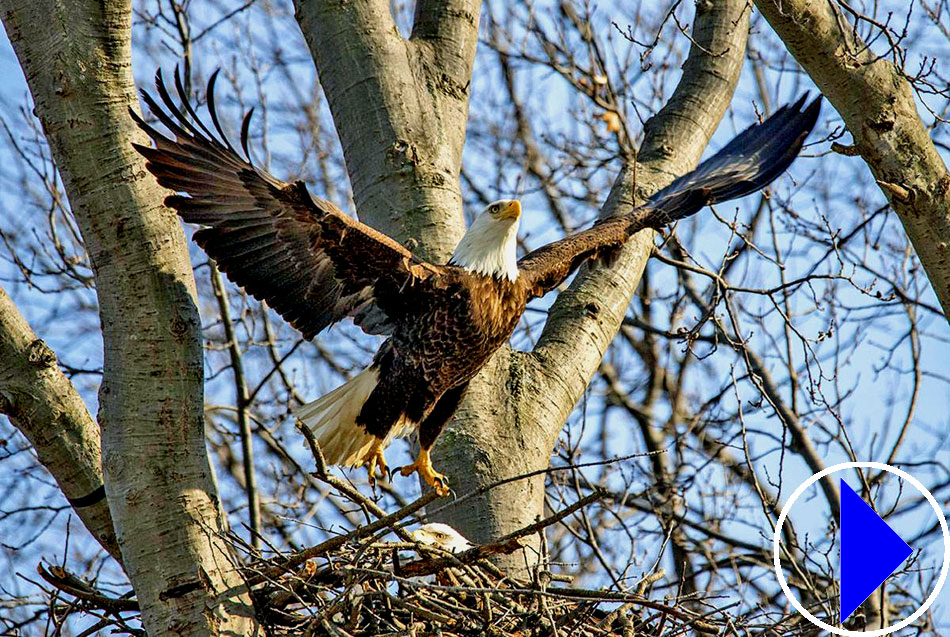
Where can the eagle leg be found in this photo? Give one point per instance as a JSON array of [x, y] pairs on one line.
[[374, 458], [423, 466]]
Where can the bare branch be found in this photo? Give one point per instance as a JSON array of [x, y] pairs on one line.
[[47, 409]]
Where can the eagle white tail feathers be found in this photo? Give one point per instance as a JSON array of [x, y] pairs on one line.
[[332, 419]]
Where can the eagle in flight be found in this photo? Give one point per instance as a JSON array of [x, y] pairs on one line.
[[315, 265]]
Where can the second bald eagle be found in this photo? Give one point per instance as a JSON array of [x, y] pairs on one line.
[[315, 265]]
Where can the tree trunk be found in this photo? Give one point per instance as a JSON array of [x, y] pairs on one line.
[[76, 57], [877, 104], [518, 405], [400, 107]]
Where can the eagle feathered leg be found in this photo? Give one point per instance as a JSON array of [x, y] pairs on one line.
[[423, 466], [374, 458], [429, 430]]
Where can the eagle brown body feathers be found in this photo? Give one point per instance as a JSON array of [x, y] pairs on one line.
[[446, 336]]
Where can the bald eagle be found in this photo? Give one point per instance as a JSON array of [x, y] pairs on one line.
[[443, 536], [314, 265]]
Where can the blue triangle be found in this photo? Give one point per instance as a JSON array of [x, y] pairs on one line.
[[870, 551]]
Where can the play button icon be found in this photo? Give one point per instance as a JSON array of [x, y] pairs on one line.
[[870, 550]]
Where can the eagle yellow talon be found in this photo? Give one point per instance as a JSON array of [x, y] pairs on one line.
[[374, 458], [423, 466]]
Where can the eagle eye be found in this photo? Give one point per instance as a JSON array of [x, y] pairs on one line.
[[494, 209]]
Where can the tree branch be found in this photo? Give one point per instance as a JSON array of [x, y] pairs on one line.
[[43, 404], [876, 101], [585, 318]]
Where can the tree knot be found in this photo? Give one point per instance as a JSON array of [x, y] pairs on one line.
[[40, 355]]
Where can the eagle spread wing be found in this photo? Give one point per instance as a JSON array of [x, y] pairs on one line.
[[315, 265], [303, 256], [749, 162]]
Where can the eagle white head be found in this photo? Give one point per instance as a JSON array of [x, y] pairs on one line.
[[442, 536], [490, 245]]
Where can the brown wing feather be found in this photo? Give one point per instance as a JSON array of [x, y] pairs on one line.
[[544, 269], [752, 160], [303, 256]]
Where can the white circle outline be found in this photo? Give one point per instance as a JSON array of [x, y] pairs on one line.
[[880, 466]]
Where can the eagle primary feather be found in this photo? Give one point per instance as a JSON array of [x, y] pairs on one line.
[[315, 265]]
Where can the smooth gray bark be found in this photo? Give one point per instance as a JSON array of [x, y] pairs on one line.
[[76, 57]]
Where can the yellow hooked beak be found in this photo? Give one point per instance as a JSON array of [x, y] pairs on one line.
[[510, 210]]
